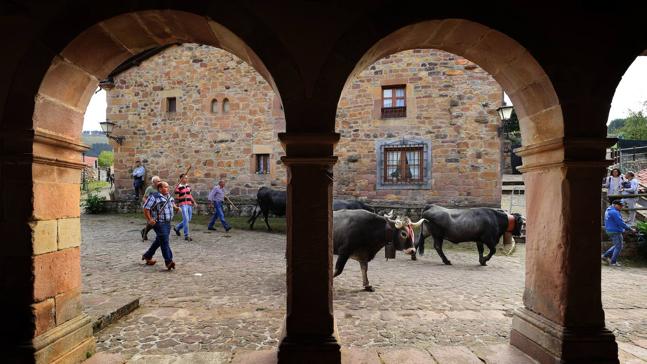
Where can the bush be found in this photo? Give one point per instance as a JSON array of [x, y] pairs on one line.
[[641, 226], [94, 203]]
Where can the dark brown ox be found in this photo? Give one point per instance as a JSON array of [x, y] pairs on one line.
[[360, 234]]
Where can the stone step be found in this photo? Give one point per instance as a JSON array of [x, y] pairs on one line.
[[490, 354], [106, 358], [105, 309]]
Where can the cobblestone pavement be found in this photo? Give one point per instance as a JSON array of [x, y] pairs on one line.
[[228, 293]]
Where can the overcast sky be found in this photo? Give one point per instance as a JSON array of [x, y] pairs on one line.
[[630, 94]]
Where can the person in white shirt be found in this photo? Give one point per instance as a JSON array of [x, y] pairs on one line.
[[613, 184], [138, 178], [630, 187]]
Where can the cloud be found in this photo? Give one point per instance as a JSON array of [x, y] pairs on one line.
[[96, 111]]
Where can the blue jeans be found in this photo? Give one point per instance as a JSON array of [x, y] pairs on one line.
[[162, 230], [614, 251], [218, 214], [187, 214]]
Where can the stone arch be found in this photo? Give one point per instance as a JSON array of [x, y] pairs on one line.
[[225, 105], [60, 102], [511, 65], [554, 169]]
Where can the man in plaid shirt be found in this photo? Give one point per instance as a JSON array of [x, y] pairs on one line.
[[158, 210]]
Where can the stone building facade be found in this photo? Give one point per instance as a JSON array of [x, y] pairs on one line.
[[197, 106], [418, 126]]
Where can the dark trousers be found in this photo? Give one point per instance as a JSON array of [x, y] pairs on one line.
[[162, 230]]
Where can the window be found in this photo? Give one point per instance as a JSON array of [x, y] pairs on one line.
[[262, 163], [403, 164], [214, 106], [171, 104], [225, 106], [394, 102]]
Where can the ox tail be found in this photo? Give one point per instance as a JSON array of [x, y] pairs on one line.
[[507, 238], [253, 213]]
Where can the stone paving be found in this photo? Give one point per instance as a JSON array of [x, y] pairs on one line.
[[227, 294]]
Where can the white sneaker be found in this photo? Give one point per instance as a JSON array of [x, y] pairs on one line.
[[616, 264], [605, 259]]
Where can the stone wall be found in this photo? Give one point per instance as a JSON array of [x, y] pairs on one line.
[[450, 108], [217, 140], [451, 103]]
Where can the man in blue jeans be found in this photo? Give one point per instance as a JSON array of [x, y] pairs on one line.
[[217, 196], [614, 226], [159, 209]]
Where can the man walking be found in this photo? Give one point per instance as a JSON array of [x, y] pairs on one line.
[[186, 202], [217, 197], [614, 227], [149, 190], [159, 209], [138, 178]]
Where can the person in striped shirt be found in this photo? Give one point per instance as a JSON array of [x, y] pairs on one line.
[[158, 210], [186, 202]]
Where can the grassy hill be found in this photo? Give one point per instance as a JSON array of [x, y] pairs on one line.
[[94, 139]]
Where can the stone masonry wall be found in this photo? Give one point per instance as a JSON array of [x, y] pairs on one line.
[[451, 104], [216, 143]]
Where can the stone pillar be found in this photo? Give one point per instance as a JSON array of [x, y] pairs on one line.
[[309, 329], [562, 320], [42, 261]]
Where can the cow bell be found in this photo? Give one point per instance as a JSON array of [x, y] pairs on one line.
[[389, 251]]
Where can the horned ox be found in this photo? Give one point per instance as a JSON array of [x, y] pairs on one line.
[[483, 225], [274, 201], [350, 205], [268, 200], [360, 234]]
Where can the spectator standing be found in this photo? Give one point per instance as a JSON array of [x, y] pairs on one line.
[[613, 184], [159, 209], [186, 202], [138, 178], [149, 190], [614, 227], [630, 187], [217, 197]]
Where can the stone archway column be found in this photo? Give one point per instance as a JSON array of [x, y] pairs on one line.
[[41, 283], [562, 320], [309, 329]]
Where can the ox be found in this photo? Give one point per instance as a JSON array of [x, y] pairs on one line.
[[360, 234], [268, 200], [483, 225], [350, 205]]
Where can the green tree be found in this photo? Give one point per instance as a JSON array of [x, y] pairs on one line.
[[635, 126], [613, 129], [106, 158]]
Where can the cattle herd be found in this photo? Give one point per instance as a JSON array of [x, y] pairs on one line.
[[359, 233]]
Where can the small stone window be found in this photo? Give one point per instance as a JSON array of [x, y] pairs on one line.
[[394, 101], [403, 164], [262, 163], [225, 106], [171, 104], [214, 106]]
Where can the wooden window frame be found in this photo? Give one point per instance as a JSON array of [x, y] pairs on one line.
[[394, 111], [402, 166], [260, 158]]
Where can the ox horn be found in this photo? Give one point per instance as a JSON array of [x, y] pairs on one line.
[[416, 224]]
